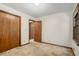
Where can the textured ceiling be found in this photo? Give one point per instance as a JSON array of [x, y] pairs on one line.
[[42, 9]]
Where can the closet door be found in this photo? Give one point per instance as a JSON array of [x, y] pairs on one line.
[[37, 31], [4, 32], [9, 31], [14, 32]]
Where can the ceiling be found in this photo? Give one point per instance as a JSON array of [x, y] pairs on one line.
[[42, 9]]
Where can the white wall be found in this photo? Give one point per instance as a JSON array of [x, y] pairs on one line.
[[55, 29], [24, 22]]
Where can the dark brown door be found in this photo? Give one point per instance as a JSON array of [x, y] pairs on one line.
[[30, 30], [9, 31], [35, 30]]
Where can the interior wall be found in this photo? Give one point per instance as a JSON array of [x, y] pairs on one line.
[[55, 29], [24, 22]]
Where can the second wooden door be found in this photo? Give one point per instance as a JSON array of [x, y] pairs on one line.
[[35, 30]]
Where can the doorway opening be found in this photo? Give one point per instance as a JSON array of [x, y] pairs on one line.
[[35, 30]]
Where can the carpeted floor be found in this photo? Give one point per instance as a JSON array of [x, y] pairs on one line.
[[38, 49]]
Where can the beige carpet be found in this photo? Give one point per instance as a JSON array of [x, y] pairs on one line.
[[38, 49]]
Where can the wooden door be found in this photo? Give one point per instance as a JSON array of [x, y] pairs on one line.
[[35, 30], [31, 30], [9, 31], [4, 32], [15, 32]]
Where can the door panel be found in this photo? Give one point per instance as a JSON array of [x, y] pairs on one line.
[[4, 26], [31, 30], [35, 30], [14, 32], [9, 31]]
